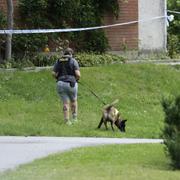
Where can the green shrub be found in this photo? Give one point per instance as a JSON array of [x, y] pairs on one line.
[[38, 60], [90, 59], [19, 64], [171, 132], [2, 20], [48, 59], [173, 46], [84, 59], [2, 37], [44, 59], [173, 30], [26, 44], [66, 14], [33, 13]]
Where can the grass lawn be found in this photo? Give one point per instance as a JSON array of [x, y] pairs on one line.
[[113, 162], [29, 104]]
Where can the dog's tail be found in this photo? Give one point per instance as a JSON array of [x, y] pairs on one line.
[[112, 104]]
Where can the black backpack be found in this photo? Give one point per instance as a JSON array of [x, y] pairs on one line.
[[66, 70]]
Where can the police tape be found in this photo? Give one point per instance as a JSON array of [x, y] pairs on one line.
[[33, 31], [175, 12]]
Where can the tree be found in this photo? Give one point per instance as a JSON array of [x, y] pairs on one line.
[[10, 11], [171, 132], [173, 30]]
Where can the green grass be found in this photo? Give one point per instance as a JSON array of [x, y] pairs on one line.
[[29, 104], [128, 162]]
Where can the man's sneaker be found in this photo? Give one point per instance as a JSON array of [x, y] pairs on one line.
[[74, 120], [68, 122]]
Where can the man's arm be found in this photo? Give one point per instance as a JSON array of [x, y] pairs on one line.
[[77, 70], [77, 74], [55, 70], [55, 74]]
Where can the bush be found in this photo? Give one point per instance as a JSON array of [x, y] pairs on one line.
[[27, 44], [90, 59], [48, 59], [2, 37], [44, 59], [173, 46], [173, 30], [66, 14], [19, 64], [171, 132]]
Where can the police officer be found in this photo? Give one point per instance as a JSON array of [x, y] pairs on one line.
[[66, 71]]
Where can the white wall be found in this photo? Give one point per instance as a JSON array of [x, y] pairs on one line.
[[152, 34]]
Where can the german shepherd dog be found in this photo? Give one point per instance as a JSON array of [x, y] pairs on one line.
[[112, 115]]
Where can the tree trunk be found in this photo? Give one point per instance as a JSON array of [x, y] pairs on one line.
[[10, 10]]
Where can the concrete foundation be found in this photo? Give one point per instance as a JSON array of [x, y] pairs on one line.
[[152, 34]]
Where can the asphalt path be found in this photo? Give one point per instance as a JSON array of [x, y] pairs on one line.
[[15, 151]]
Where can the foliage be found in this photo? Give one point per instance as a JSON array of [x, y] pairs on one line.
[[91, 41], [3, 23], [2, 20], [90, 59], [19, 63], [172, 129], [65, 14], [26, 44], [174, 5], [110, 6], [28, 13], [43, 59], [173, 46], [48, 59], [173, 30]]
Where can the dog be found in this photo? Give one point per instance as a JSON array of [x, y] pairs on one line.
[[112, 115]]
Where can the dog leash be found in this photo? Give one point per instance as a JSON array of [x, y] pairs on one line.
[[92, 92]]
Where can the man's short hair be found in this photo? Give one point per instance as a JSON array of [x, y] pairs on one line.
[[68, 51]]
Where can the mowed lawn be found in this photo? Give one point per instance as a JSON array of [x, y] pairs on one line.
[[113, 162], [29, 104]]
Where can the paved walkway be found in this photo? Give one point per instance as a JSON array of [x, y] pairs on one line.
[[15, 151]]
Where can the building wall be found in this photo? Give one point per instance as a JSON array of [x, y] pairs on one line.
[[3, 5], [147, 36], [152, 34], [122, 37], [119, 37]]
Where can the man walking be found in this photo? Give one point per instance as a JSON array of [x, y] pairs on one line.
[[66, 71]]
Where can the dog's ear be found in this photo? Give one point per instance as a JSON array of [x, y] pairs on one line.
[[124, 120]]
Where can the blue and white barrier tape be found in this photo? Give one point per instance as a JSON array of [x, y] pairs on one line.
[[33, 31], [175, 12]]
